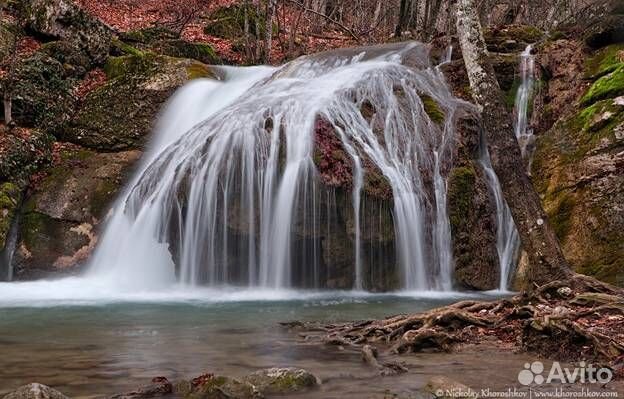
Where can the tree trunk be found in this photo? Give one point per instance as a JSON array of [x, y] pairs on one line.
[[403, 17], [546, 261], [268, 43], [8, 104]]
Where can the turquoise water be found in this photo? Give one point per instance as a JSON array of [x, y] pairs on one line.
[[90, 348]]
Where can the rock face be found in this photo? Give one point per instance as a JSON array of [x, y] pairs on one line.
[[118, 115], [63, 19], [58, 224], [35, 391], [579, 166]]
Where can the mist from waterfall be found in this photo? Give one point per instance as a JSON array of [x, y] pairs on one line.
[[231, 178], [507, 238]]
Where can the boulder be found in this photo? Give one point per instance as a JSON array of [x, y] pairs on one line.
[[42, 92], [281, 381], [63, 19], [58, 226], [163, 41], [159, 387], [209, 386], [119, 115], [35, 391]]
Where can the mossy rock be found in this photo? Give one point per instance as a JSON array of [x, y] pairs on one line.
[[163, 41], [119, 114], [221, 387], [148, 35], [474, 236], [57, 228], [511, 38], [609, 85], [7, 39], [76, 62], [432, 109], [229, 22], [63, 19], [10, 198], [281, 381], [202, 52], [42, 92], [24, 155], [576, 173], [604, 61]]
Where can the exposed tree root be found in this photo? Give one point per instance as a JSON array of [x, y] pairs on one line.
[[578, 318]]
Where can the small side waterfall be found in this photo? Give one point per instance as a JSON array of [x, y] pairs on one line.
[[230, 193], [507, 239], [523, 132]]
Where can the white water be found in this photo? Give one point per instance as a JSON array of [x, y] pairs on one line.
[[507, 238], [216, 160], [524, 134], [234, 170]]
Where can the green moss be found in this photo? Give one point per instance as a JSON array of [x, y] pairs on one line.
[[130, 65], [149, 35], [561, 213], [610, 85], [461, 183], [229, 22], [10, 196], [103, 194], [33, 226], [197, 70], [126, 49], [432, 108], [183, 49], [606, 60]]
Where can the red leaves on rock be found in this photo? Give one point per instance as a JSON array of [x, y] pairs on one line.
[[91, 81], [202, 380], [332, 162]]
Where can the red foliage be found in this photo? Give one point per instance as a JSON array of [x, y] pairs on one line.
[[201, 380], [91, 81], [333, 163]]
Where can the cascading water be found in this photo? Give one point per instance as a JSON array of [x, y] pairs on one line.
[[507, 238], [221, 202], [524, 134]]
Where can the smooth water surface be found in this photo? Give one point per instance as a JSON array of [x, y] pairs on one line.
[[87, 347]]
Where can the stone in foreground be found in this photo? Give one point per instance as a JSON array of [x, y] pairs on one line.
[[281, 380], [35, 391]]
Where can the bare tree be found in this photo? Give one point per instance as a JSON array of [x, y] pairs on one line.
[[546, 261]]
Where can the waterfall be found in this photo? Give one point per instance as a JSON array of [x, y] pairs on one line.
[[524, 134], [507, 238], [230, 194]]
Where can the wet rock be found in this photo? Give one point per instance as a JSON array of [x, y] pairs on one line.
[[282, 380], [35, 391], [445, 388], [137, 88], [63, 19], [210, 386], [58, 226], [159, 387]]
